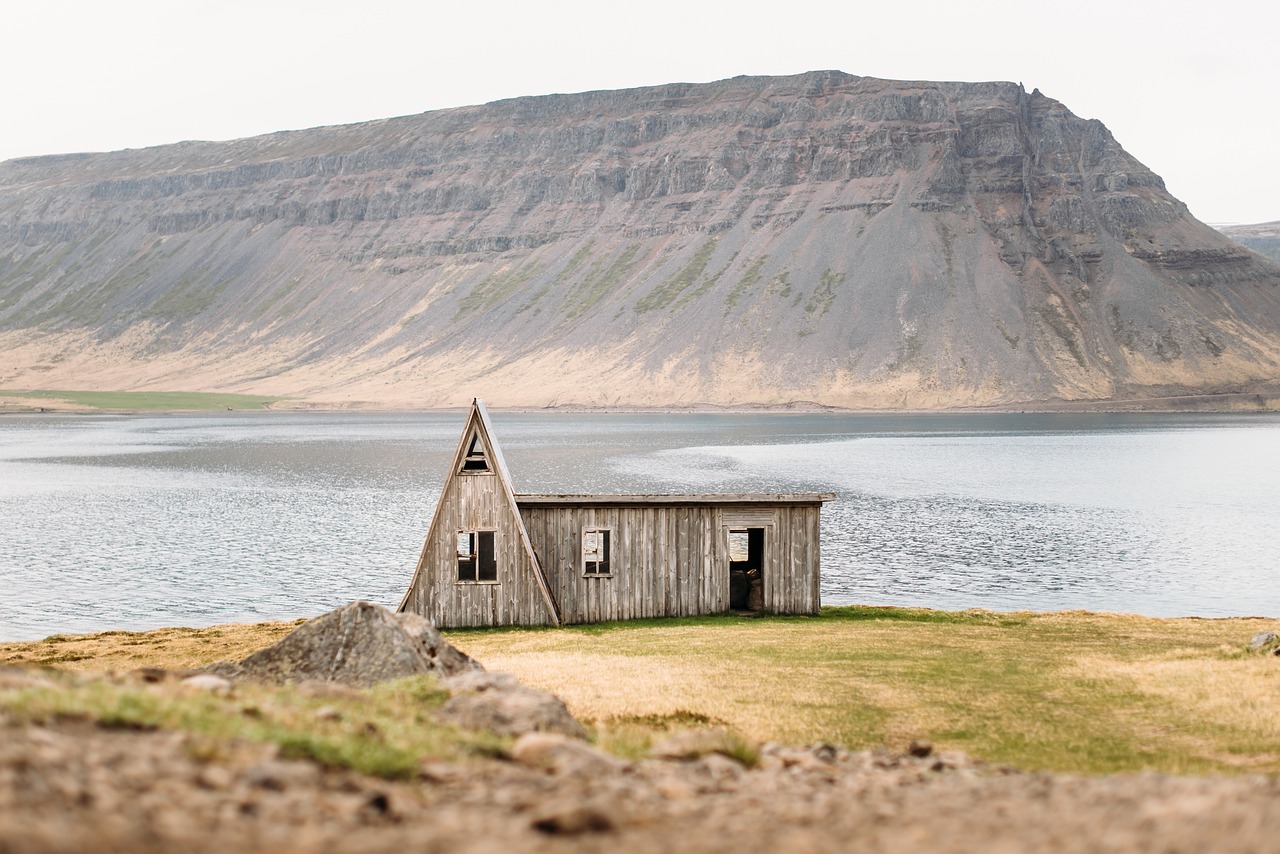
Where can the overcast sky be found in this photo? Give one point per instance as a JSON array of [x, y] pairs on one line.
[[1190, 89]]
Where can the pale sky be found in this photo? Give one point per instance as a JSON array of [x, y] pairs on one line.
[[1190, 89]]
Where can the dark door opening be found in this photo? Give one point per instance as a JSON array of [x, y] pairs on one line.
[[746, 569]]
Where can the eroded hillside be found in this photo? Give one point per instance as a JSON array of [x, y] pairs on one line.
[[823, 237]]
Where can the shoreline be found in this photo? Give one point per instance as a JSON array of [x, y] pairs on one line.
[[657, 622], [1175, 405]]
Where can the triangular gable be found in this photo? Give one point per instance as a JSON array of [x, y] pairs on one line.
[[477, 456]]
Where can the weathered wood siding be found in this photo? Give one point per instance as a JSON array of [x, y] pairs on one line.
[[672, 560], [476, 502]]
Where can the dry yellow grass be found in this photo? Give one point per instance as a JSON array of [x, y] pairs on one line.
[[1070, 691], [174, 649]]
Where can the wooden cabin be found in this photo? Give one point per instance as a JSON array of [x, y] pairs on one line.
[[493, 557]]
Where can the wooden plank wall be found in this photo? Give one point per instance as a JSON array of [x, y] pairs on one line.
[[672, 560], [792, 572], [471, 502]]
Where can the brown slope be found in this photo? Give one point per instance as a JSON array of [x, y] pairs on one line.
[[1263, 237], [824, 237]]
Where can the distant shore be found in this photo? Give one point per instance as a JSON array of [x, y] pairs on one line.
[[58, 401]]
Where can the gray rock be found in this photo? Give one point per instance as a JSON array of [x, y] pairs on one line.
[[1261, 640], [498, 703], [359, 644], [560, 754], [208, 682]]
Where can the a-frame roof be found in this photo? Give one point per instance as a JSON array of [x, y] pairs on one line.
[[479, 427]]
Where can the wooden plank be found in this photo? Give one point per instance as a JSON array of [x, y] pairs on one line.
[[648, 570], [669, 555], [706, 569]]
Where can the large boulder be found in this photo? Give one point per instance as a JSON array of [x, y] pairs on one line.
[[360, 644]]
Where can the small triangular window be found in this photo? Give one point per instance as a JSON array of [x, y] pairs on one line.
[[475, 460]]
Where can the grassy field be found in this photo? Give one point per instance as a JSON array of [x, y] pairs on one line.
[[141, 401], [1069, 691]]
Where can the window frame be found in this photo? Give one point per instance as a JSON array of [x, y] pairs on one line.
[[475, 555], [482, 457], [608, 552]]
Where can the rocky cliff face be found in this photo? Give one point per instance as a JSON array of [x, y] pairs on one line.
[[823, 237]]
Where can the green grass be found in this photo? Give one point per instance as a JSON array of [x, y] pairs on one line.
[[386, 731], [1069, 692], [145, 401], [497, 287], [747, 282], [824, 295], [666, 294], [600, 281]]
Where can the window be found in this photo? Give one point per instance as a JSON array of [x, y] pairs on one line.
[[475, 462], [595, 551], [476, 561]]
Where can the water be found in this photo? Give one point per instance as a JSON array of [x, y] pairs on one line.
[[146, 521]]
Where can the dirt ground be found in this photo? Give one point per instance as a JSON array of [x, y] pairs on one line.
[[75, 787]]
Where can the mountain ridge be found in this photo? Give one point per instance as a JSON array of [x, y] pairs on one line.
[[851, 241]]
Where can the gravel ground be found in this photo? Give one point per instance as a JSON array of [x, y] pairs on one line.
[[74, 787]]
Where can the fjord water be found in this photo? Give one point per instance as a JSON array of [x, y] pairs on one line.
[[134, 522]]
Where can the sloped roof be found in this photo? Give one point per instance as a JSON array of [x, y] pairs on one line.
[[667, 500]]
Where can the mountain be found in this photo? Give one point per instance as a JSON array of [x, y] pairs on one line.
[[761, 240], [1263, 238]]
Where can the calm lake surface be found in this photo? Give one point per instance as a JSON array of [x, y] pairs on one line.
[[137, 522]]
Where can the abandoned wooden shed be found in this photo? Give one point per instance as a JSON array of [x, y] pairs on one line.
[[493, 557]]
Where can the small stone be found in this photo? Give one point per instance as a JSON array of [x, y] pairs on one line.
[[436, 771], [278, 776], [151, 674], [378, 804], [214, 777], [498, 703], [825, 752], [328, 713], [674, 789], [920, 749], [208, 682], [572, 820], [562, 755], [1262, 639], [721, 767]]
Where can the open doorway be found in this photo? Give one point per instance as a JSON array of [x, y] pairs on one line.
[[746, 569]]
